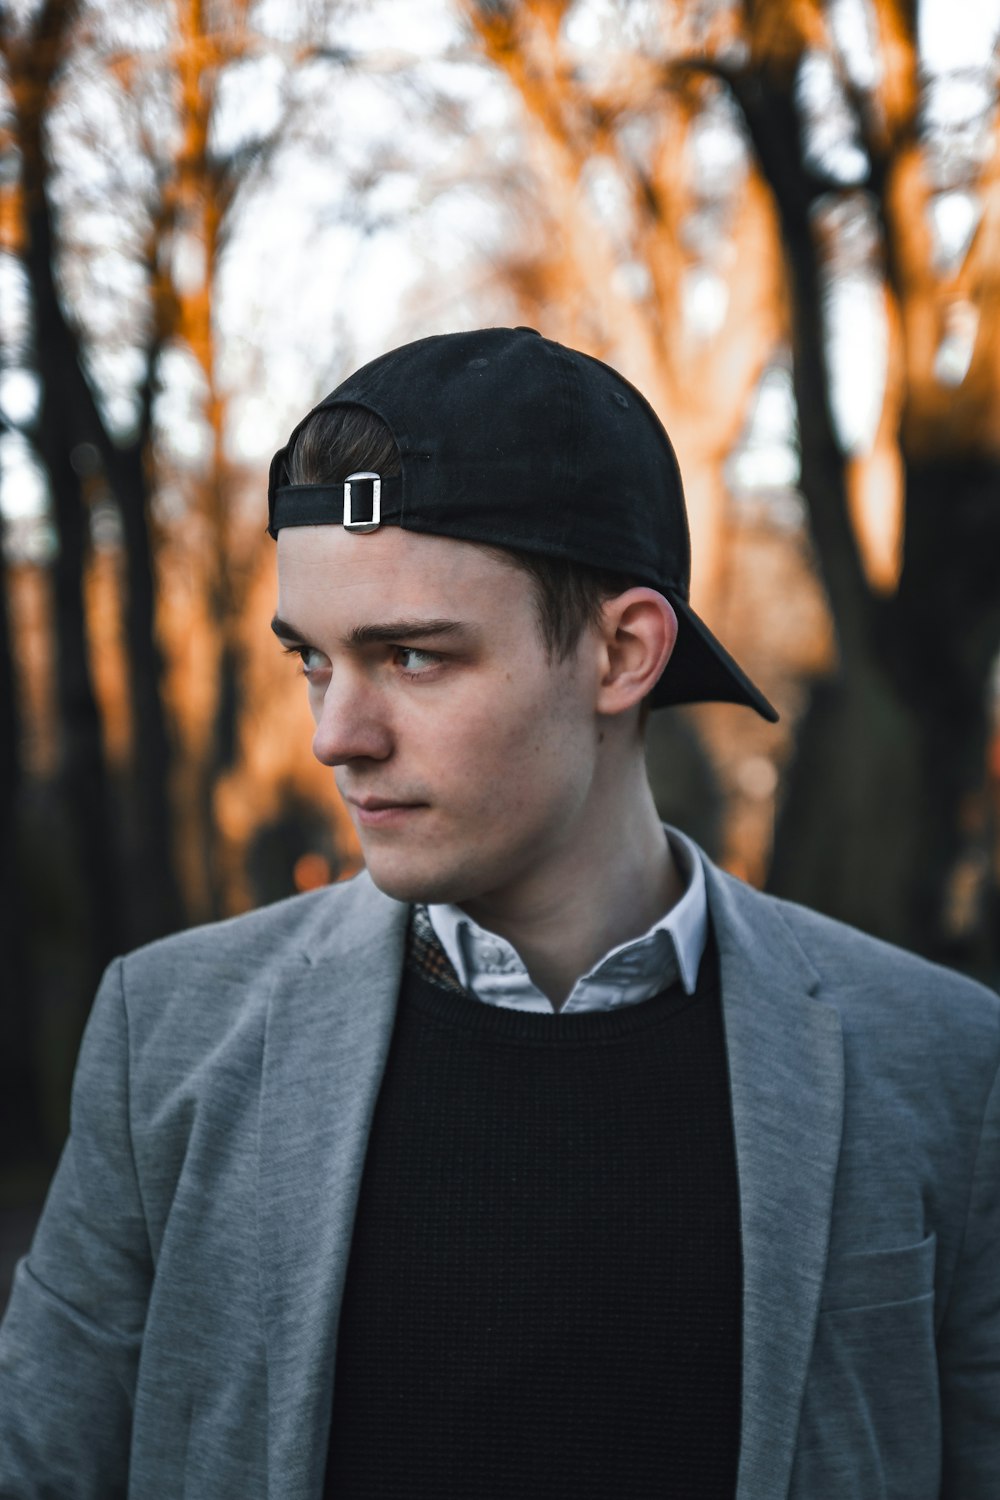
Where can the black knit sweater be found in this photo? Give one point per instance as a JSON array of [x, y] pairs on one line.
[[544, 1289]]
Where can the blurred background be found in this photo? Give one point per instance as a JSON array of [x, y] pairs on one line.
[[780, 219]]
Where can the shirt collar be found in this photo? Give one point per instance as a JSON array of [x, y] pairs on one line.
[[637, 970]]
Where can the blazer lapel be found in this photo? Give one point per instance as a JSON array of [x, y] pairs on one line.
[[329, 1025], [787, 1080]]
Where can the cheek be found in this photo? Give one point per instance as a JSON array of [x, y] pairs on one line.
[[522, 755]]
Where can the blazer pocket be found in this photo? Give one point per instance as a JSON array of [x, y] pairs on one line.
[[874, 1278], [870, 1421]]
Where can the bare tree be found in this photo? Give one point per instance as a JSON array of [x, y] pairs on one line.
[[881, 802], [34, 58], [884, 797], [123, 180], [70, 424]]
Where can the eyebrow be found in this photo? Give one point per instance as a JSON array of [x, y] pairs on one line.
[[387, 633]]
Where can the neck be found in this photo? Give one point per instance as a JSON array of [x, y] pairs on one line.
[[607, 885]]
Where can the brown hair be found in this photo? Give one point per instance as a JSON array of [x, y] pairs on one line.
[[344, 440]]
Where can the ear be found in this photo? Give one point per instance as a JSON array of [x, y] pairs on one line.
[[638, 630]]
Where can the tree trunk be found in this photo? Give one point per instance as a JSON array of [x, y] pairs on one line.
[[152, 902], [21, 1134], [850, 822], [944, 645], [890, 753], [157, 907], [82, 779]]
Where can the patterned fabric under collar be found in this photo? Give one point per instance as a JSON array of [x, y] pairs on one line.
[[425, 954]]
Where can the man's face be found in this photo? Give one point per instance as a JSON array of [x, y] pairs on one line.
[[465, 755]]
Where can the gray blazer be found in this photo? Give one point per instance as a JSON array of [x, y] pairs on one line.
[[172, 1331]]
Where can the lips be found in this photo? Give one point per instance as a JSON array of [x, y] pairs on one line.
[[379, 804], [379, 812]]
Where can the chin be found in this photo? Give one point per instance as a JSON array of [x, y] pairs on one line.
[[430, 882]]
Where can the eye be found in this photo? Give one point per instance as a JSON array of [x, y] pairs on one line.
[[415, 663], [312, 661]]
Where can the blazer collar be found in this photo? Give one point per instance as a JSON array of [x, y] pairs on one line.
[[786, 1071]]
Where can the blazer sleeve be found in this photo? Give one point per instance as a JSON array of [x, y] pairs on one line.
[[969, 1341], [70, 1341]]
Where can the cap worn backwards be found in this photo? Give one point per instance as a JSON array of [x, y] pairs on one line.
[[509, 439]]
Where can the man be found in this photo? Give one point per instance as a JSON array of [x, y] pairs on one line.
[[543, 1159]]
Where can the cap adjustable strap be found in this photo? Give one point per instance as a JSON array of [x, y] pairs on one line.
[[344, 504]]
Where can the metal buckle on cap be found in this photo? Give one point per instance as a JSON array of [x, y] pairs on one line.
[[376, 516]]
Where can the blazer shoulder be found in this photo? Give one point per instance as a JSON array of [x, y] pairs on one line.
[[188, 1016], [874, 971], [869, 981], [243, 951]]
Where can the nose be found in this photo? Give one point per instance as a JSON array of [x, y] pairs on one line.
[[351, 722]]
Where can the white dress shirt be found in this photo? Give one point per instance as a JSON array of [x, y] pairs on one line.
[[490, 968]]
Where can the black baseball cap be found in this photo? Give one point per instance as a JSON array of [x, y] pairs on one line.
[[510, 439]]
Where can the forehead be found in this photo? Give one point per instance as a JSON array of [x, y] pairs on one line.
[[326, 571]]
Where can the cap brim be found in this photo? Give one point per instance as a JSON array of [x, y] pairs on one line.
[[700, 669]]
